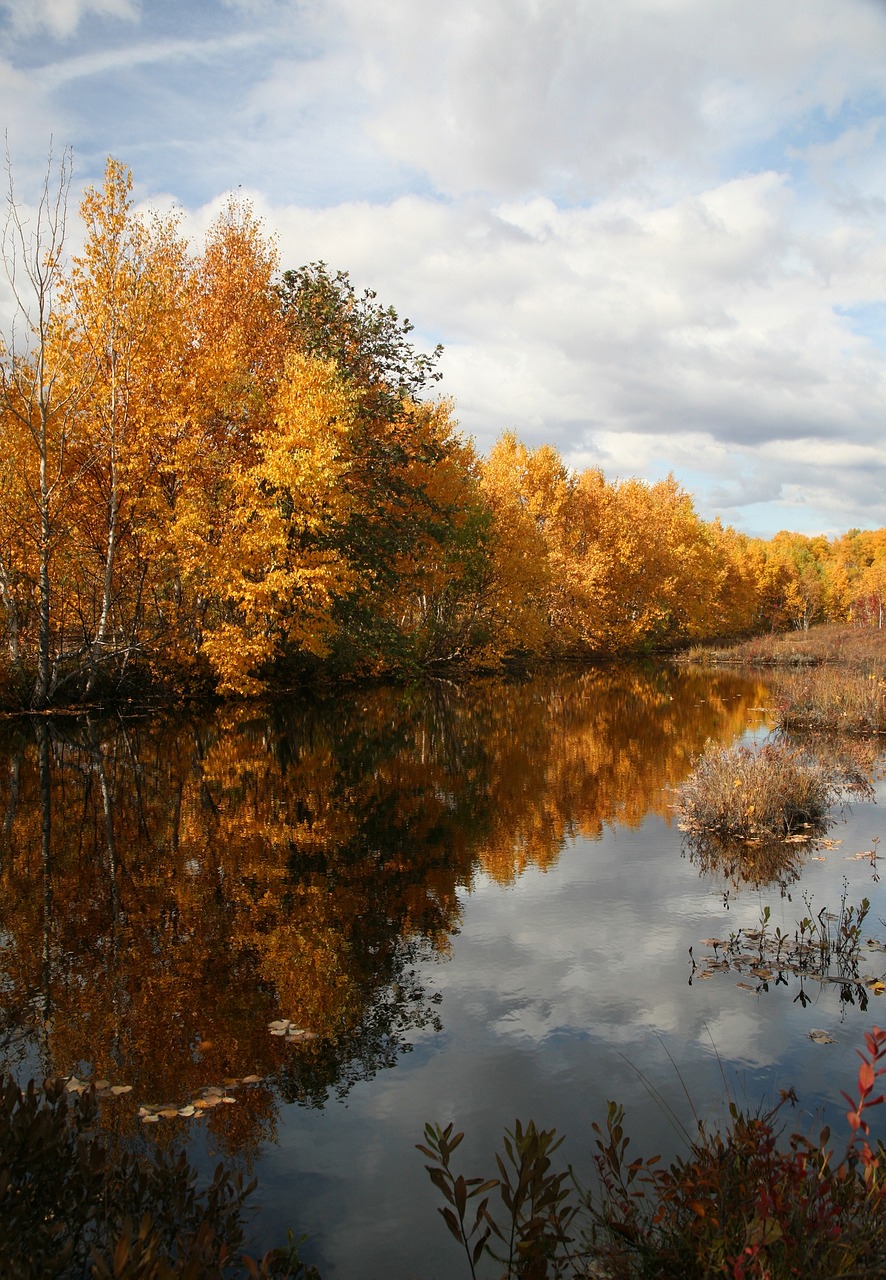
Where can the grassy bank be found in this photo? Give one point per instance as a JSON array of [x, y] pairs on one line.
[[855, 648], [829, 679]]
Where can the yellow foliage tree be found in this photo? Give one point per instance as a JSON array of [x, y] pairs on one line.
[[275, 568]]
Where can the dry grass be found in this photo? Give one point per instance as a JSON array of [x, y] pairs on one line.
[[830, 679], [859, 648], [831, 700], [739, 793]]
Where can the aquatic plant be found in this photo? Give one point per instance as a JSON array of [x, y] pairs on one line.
[[745, 1201], [747, 793]]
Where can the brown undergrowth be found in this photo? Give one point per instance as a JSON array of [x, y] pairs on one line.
[[829, 679], [858, 648], [772, 792]]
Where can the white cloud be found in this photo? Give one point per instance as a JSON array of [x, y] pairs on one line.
[[62, 17], [126, 57], [650, 233], [582, 95]]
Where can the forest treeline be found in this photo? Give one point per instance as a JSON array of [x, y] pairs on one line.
[[217, 475]]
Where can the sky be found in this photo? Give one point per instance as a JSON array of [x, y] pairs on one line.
[[650, 233]]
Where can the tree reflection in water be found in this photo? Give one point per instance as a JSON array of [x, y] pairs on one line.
[[170, 887]]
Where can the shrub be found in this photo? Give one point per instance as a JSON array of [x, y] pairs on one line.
[[744, 1202], [70, 1207], [746, 793]]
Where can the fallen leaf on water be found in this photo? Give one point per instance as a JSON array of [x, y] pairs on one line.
[[101, 1085], [117, 1089], [168, 1113], [251, 1079], [745, 986], [877, 986], [200, 1104], [150, 1119], [821, 1037], [279, 1027], [187, 1111], [713, 942], [227, 1098]]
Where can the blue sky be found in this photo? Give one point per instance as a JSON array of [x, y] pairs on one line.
[[650, 233]]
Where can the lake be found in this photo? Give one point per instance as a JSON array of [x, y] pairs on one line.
[[467, 903]]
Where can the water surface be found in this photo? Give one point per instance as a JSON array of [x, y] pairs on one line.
[[474, 901]]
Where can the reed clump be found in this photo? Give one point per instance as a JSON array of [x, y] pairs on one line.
[[749, 793], [831, 700]]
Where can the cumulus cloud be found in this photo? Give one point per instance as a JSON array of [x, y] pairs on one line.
[[649, 233], [578, 95], [699, 335]]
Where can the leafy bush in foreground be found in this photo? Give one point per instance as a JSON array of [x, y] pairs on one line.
[[71, 1208], [743, 1202]]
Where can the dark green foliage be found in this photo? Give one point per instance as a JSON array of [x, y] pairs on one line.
[[366, 340], [72, 1205], [539, 1205]]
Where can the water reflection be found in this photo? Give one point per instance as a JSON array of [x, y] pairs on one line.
[[170, 888]]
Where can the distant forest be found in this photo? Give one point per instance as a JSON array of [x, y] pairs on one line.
[[215, 476]]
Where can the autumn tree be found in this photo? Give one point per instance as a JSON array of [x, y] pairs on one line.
[[39, 395], [125, 309], [235, 361], [275, 569], [414, 533]]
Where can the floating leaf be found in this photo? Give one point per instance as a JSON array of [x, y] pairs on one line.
[[150, 1119], [187, 1111], [821, 1037], [117, 1089], [252, 1079], [745, 986]]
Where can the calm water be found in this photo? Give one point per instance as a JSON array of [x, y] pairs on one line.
[[475, 901]]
